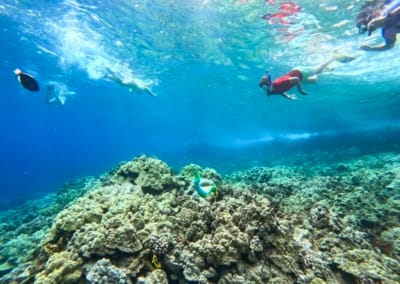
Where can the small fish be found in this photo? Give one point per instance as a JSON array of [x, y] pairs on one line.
[[27, 81]]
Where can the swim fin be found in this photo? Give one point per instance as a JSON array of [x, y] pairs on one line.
[[27, 81], [342, 58]]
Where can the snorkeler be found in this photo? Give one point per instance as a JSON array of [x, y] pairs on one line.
[[296, 77], [375, 15], [27, 81], [134, 84], [57, 93]]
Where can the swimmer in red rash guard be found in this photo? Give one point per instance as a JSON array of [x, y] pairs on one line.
[[296, 77]]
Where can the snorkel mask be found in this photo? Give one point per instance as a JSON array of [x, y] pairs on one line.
[[269, 78], [370, 11], [362, 25], [265, 80]]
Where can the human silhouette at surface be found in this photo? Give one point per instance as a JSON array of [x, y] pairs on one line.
[[378, 14]]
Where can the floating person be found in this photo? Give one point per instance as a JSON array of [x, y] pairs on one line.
[[57, 92], [382, 16], [296, 77], [27, 81], [134, 84]]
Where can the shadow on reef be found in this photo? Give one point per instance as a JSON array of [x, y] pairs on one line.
[[141, 223]]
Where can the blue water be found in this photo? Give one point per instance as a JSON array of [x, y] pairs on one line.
[[203, 59]]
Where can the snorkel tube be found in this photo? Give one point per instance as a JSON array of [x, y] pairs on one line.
[[204, 187], [269, 78]]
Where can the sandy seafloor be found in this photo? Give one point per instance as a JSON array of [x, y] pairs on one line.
[[144, 223]]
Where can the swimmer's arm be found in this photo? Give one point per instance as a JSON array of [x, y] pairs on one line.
[[290, 97], [297, 82], [395, 12], [377, 48], [390, 38]]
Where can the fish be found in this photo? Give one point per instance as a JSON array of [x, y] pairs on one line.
[[204, 187], [27, 81]]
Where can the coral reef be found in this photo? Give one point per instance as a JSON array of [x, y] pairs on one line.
[[151, 174], [143, 224], [103, 272], [23, 229]]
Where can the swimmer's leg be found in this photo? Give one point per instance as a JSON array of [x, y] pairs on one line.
[[322, 67], [342, 58], [147, 90]]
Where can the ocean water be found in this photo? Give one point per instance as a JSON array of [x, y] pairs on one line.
[[203, 59]]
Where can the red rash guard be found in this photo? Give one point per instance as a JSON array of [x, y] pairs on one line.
[[283, 84]]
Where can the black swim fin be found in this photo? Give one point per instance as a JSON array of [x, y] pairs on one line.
[[27, 81]]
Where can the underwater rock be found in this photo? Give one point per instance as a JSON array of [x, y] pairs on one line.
[[275, 183], [89, 240], [79, 214], [157, 276], [187, 174], [62, 267], [22, 229], [368, 266], [5, 267], [390, 243], [314, 232], [159, 245], [393, 188], [151, 174], [124, 239], [103, 272]]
